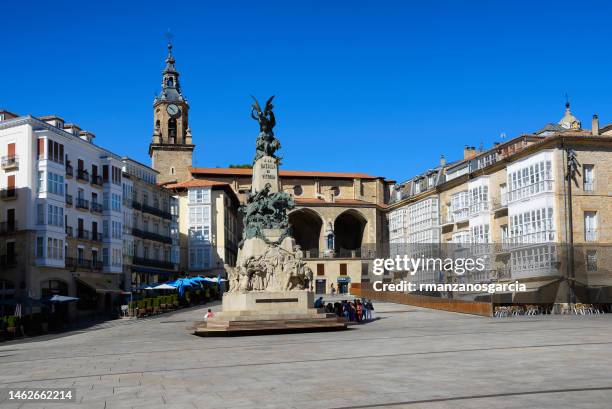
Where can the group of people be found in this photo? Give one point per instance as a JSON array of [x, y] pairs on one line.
[[358, 310]]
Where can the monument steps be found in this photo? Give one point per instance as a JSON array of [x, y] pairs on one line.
[[323, 322]]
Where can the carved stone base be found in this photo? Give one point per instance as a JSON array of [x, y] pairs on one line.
[[268, 311]]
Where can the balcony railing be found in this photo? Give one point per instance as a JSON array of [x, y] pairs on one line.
[[69, 171], [155, 211], [10, 162], [95, 236], [96, 180], [8, 260], [590, 235], [501, 202], [68, 200], [8, 227], [82, 204], [151, 236], [82, 234], [84, 264], [479, 207], [96, 207], [141, 261], [68, 230], [82, 175], [8, 194]]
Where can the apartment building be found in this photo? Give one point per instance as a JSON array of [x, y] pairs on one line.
[[511, 204], [151, 231], [61, 212], [210, 230]]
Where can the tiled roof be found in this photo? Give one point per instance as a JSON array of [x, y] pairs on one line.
[[196, 183], [283, 173]]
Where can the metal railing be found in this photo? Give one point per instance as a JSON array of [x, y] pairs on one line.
[[500, 202], [68, 200], [156, 212], [82, 234], [69, 171], [96, 207], [8, 227], [9, 260], [10, 162], [96, 180], [8, 193], [95, 236], [590, 235], [151, 236], [72, 262], [82, 203], [153, 263], [82, 175], [68, 230]]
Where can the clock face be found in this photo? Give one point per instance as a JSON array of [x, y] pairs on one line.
[[172, 109]]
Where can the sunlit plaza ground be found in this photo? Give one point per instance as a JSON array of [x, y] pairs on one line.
[[410, 357]]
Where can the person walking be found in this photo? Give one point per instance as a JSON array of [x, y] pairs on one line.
[[332, 289]]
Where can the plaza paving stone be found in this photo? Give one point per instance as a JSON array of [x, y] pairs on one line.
[[409, 358]]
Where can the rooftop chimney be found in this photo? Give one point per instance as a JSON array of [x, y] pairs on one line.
[[87, 136], [469, 152], [595, 125]]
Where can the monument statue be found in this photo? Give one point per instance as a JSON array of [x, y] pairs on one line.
[[270, 288], [266, 144], [268, 258]]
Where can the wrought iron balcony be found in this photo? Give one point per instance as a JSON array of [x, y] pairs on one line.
[[10, 162], [82, 204], [95, 236], [69, 171], [68, 230], [8, 194], [141, 261], [82, 234], [156, 212], [82, 175], [96, 207], [8, 227], [96, 180], [151, 236], [8, 260], [68, 200]]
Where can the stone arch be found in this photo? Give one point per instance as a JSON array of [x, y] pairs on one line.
[[306, 225], [349, 227]]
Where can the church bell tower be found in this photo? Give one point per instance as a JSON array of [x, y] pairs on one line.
[[171, 149]]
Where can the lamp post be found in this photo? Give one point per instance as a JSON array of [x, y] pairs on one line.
[[571, 171]]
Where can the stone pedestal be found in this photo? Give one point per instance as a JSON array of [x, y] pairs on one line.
[[266, 311], [265, 170]]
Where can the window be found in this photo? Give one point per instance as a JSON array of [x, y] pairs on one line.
[[55, 248], [55, 151], [199, 196], [590, 226], [105, 256], [55, 183], [116, 202], [55, 215], [41, 181], [480, 234], [589, 178], [530, 180], [534, 226], [297, 190], [40, 247], [40, 213], [591, 260], [116, 230], [479, 199]]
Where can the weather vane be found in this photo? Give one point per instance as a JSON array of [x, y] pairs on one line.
[[169, 36]]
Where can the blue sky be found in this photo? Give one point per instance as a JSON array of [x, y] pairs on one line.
[[380, 87]]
